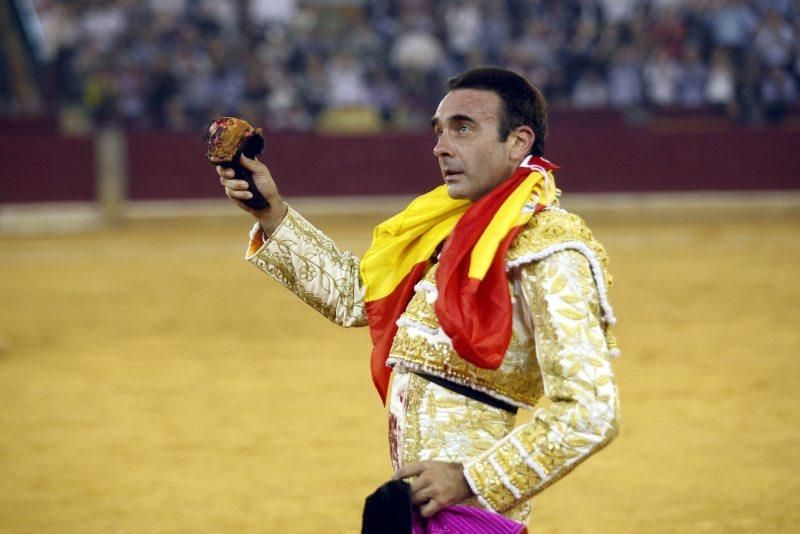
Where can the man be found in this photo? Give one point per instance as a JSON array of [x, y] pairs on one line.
[[481, 296]]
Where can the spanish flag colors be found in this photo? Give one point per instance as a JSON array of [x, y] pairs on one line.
[[473, 304]]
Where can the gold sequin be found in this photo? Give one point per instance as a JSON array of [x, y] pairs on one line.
[[560, 347], [310, 265], [573, 357]]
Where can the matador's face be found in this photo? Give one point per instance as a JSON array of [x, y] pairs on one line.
[[472, 158]]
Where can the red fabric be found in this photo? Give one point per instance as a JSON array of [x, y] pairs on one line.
[[382, 316], [476, 314]]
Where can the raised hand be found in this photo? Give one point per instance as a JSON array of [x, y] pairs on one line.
[[270, 216]]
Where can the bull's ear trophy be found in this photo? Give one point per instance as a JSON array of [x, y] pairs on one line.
[[228, 138]]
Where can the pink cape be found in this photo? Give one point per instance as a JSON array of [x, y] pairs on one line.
[[462, 519]]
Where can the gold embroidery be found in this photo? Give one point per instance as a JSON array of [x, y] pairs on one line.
[[518, 377], [514, 380], [446, 426], [571, 365], [514, 468], [308, 263], [422, 312], [412, 443], [491, 487], [552, 227], [573, 356]]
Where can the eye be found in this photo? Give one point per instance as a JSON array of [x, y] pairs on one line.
[[463, 129]]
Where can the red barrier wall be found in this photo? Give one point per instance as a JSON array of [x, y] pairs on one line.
[[602, 153], [45, 167], [303, 164], [597, 152]]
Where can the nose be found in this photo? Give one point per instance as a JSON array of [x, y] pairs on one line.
[[442, 147]]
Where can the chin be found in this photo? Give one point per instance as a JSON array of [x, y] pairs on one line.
[[456, 192]]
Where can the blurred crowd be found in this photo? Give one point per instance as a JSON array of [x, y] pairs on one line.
[[301, 65]]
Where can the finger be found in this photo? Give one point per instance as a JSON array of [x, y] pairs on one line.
[[422, 496], [410, 470], [251, 165], [238, 195], [236, 185], [430, 508], [222, 171], [238, 191], [419, 484]]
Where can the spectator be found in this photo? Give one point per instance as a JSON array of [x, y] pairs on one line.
[[579, 52], [464, 25], [721, 84], [103, 24], [58, 27], [796, 62], [417, 49], [748, 91], [661, 74], [284, 111], [130, 93], [618, 11], [590, 92], [160, 94], [168, 8], [383, 95], [540, 42], [668, 31], [265, 12], [173, 63], [732, 23], [778, 92], [100, 97], [345, 81], [496, 30], [693, 78], [624, 79], [774, 41]]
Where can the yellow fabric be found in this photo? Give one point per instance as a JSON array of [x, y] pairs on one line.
[[412, 235], [507, 217], [408, 238]]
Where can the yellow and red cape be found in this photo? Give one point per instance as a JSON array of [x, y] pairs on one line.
[[473, 304]]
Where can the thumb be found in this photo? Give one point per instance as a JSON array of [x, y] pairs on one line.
[[409, 470], [251, 165]]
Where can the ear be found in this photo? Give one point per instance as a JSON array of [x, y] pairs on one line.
[[521, 139]]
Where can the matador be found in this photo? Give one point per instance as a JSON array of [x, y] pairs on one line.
[[482, 297]]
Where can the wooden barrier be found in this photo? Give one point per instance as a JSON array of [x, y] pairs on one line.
[[597, 152]]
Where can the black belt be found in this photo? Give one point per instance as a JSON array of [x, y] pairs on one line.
[[473, 394]]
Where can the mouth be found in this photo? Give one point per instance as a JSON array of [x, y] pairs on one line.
[[451, 175]]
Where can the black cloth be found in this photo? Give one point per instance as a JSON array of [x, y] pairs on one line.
[[388, 509], [473, 394]]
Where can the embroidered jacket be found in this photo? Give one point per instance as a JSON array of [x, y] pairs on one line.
[[560, 346]]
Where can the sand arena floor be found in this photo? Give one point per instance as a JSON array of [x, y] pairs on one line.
[[152, 381]]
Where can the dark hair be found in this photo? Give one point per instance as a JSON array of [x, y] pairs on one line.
[[522, 102]]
